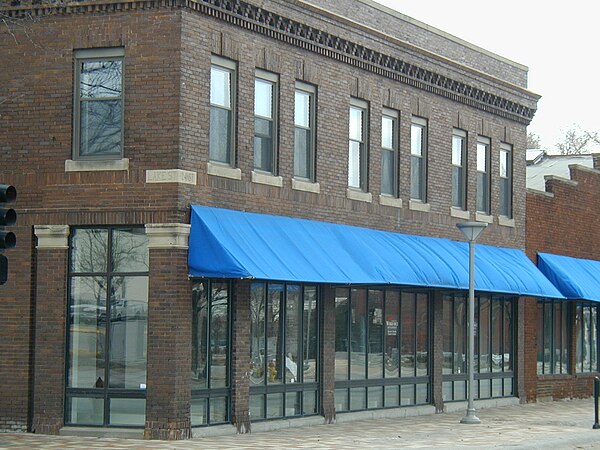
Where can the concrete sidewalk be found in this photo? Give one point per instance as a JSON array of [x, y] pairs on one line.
[[553, 425]]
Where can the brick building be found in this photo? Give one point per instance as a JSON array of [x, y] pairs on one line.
[[338, 120], [562, 241]]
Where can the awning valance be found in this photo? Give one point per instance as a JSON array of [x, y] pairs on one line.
[[233, 244], [575, 278]]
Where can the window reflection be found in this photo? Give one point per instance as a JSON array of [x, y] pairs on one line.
[[284, 333]]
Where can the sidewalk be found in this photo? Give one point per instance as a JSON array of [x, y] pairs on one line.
[[552, 425]]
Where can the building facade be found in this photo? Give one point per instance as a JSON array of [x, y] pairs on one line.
[[564, 334], [117, 116]]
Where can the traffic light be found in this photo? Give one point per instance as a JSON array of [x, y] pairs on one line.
[[8, 217]]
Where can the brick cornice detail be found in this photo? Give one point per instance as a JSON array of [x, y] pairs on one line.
[[259, 20]]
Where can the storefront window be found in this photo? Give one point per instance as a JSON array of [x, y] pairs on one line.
[[381, 349], [284, 334], [210, 352], [553, 348], [494, 347], [586, 327], [108, 310]]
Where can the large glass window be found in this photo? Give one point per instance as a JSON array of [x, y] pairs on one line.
[[107, 323], [459, 164], [381, 349], [483, 175], [358, 148], [265, 121], [586, 335], [553, 334], [304, 131], [222, 102], [505, 180], [284, 343], [210, 352], [98, 107], [418, 159], [389, 152], [494, 347]]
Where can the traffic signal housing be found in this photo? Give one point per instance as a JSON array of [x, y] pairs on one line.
[[8, 217]]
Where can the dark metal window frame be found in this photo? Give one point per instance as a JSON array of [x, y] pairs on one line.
[[485, 376], [300, 386], [210, 393], [349, 384], [106, 393], [555, 336], [594, 366], [88, 55]]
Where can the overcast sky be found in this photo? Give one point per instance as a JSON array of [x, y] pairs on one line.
[[558, 41]]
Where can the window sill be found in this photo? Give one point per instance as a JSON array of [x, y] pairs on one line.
[[306, 186], [268, 179], [460, 213], [388, 200], [100, 165], [417, 205], [506, 222], [482, 217], [360, 196], [223, 171]]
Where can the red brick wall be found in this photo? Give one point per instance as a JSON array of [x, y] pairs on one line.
[[167, 60], [169, 346], [560, 221]]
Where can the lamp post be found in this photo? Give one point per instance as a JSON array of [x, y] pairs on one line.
[[471, 230]]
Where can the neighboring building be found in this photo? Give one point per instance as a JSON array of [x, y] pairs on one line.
[[563, 241], [128, 126], [540, 165]]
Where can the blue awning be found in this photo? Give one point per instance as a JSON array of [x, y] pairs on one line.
[[233, 244], [575, 278]]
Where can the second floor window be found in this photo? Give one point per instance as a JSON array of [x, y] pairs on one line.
[[222, 81], [418, 159], [483, 175], [98, 108], [304, 131], [506, 180], [265, 121], [389, 153], [357, 151], [459, 148]]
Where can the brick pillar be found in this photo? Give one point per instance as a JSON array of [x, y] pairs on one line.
[[327, 351], [169, 385], [437, 351], [50, 323], [240, 361], [526, 348]]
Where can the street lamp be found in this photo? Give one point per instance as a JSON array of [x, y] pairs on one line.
[[471, 230]]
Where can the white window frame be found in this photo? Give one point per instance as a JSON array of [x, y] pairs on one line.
[[311, 91], [229, 66], [362, 182], [459, 135], [506, 178], [273, 80], [483, 203], [421, 179], [394, 116], [89, 55]]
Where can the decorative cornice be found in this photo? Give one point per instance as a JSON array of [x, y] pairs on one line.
[[254, 18], [259, 20]]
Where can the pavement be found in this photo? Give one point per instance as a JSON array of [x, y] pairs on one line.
[[565, 424]]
